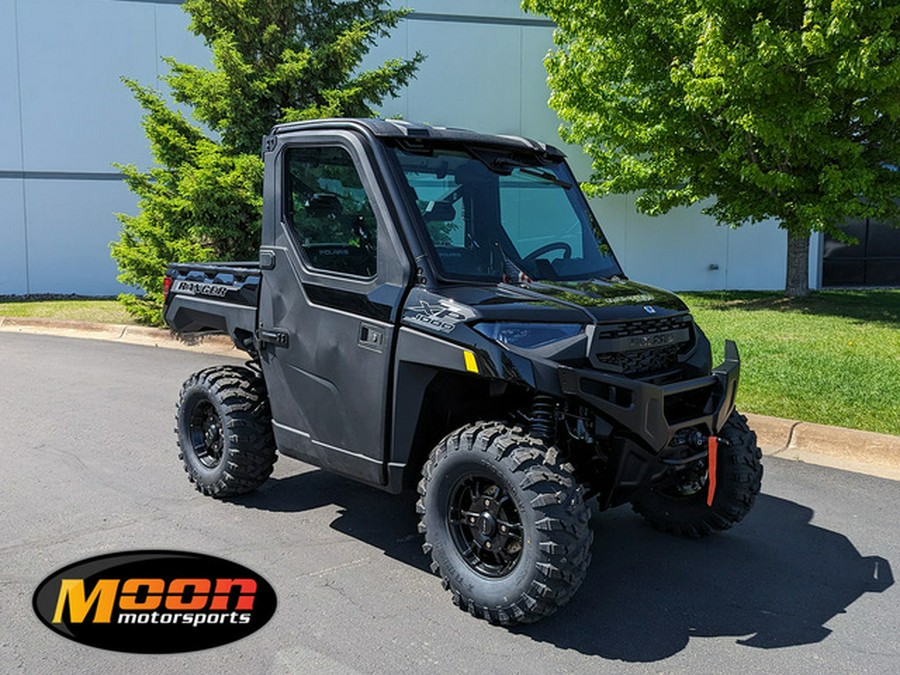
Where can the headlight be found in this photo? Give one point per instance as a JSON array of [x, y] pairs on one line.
[[528, 335]]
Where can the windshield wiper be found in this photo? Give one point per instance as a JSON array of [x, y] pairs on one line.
[[505, 165], [512, 273], [546, 175]]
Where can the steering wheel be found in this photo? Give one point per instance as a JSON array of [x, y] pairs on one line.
[[546, 248]]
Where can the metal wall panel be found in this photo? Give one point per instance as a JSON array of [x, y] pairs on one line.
[[484, 70]]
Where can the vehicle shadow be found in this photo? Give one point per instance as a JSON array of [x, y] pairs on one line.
[[383, 520], [773, 581]]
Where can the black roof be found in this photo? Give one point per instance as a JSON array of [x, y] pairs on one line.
[[416, 130]]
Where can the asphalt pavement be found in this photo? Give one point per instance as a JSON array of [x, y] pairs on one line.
[[803, 585]]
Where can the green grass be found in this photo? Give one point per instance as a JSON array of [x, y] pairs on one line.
[[832, 358], [100, 311]]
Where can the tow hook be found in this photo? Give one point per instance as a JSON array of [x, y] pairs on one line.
[[712, 463]]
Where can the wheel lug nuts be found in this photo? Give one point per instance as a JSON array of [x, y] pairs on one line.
[[472, 519], [487, 544], [503, 528], [487, 502]]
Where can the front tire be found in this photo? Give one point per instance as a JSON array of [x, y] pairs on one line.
[[681, 508], [504, 522], [224, 430]]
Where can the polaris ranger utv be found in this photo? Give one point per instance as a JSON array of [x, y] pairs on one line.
[[438, 307]]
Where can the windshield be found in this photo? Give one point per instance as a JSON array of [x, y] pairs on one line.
[[494, 215]]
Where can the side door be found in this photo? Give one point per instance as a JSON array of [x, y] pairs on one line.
[[329, 304]]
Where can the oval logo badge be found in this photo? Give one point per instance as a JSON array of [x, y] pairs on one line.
[[154, 602]]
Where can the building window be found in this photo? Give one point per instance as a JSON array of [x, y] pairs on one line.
[[874, 261]]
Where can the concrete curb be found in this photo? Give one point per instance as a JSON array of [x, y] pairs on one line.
[[137, 335], [836, 447]]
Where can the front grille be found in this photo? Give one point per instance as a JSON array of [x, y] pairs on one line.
[[639, 361], [643, 327], [641, 347]]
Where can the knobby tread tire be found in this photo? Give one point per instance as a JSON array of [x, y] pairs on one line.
[[738, 481], [239, 396], [560, 538]]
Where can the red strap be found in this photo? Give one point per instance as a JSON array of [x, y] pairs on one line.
[[711, 472]]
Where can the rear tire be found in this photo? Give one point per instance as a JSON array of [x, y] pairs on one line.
[[224, 430], [504, 522], [682, 508]]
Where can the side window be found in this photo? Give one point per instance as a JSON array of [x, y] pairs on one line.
[[329, 211]]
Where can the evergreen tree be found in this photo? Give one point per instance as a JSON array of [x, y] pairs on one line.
[[273, 61]]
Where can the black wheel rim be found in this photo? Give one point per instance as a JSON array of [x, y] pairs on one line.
[[485, 526], [207, 434]]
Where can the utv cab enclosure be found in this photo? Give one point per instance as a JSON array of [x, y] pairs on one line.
[[439, 308]]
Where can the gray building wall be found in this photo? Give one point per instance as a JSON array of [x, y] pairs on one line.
[[65, 118]]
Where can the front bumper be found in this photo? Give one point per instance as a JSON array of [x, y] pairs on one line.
[[655, 413]]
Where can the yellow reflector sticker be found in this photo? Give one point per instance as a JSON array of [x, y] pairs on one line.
[[471, 363]]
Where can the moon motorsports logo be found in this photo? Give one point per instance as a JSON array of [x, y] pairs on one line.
[[154, 602]]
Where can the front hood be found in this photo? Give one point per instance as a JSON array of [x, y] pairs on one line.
[[443, 310], [611, 300], [566, 302]]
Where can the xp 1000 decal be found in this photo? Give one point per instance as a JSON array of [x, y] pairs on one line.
[[441, 316], [154, 602]]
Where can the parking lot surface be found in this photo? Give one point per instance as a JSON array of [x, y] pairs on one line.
[[89, 466]]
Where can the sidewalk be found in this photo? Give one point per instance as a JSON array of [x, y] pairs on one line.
[[836, 447]]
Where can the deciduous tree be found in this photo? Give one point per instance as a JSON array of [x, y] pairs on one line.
[[781, 109]]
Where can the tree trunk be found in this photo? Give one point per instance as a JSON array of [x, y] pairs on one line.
[[797, 280]]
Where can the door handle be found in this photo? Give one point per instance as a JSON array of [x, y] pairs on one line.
[[371, 337], [273, 336]]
